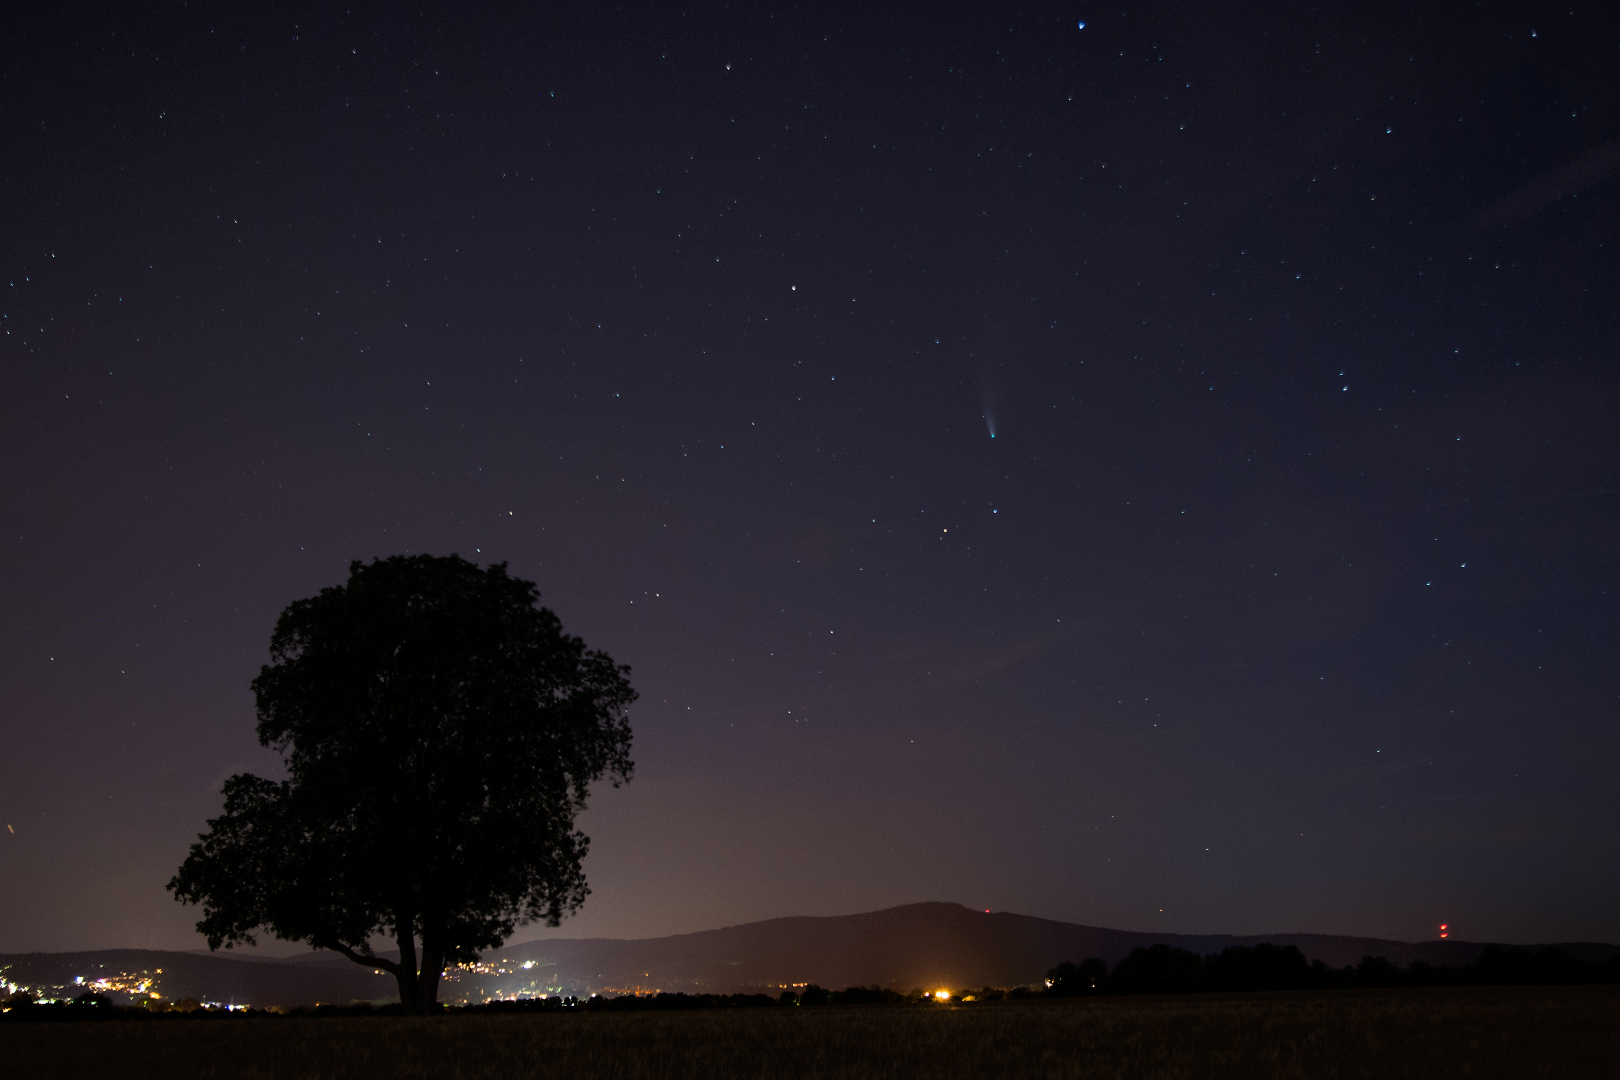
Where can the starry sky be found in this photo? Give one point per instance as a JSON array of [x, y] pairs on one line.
[[1160, 474]]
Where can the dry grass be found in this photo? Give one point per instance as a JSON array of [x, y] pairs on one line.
[[1517, 1032]]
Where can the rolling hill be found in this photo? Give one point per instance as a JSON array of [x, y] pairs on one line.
[[929, 945], [918, 945]]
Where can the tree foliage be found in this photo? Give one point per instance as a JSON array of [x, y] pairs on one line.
[[1241, 968], [440, 732], [1069, 979]]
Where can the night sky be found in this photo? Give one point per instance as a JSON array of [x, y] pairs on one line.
[[1161, 474]]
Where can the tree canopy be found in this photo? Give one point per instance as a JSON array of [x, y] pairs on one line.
[[440, 732]]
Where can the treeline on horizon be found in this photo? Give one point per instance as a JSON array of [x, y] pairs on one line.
[[1159, 969], [93, 1006], [1163, 969]]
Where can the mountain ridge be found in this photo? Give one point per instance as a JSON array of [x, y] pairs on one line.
[[922, 945], [928, 945]]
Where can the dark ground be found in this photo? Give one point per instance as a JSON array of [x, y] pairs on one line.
[[1488, 1032]]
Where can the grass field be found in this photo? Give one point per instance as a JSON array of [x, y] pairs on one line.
[[1517, 1032]]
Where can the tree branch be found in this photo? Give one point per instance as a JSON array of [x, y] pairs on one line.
[[373, 962]]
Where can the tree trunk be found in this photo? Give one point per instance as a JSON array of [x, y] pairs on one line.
[[406, 976], [427, 983], [404, 972]]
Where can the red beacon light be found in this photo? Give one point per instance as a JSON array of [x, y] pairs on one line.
[[1445, 930]]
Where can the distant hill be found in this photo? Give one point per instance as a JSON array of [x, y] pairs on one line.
[[920, 945]]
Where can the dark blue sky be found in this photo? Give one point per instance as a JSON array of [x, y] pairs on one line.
[[1283, 598]]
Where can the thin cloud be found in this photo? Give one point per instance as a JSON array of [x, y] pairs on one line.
[[1569, 179]]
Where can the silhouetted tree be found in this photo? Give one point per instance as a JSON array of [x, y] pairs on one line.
[[815, 995], [865, 995], [1258, 967], [440, 734], [1508, 964], [1159, 969], [1077, 980], [1162, 969], [1377, 971]]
